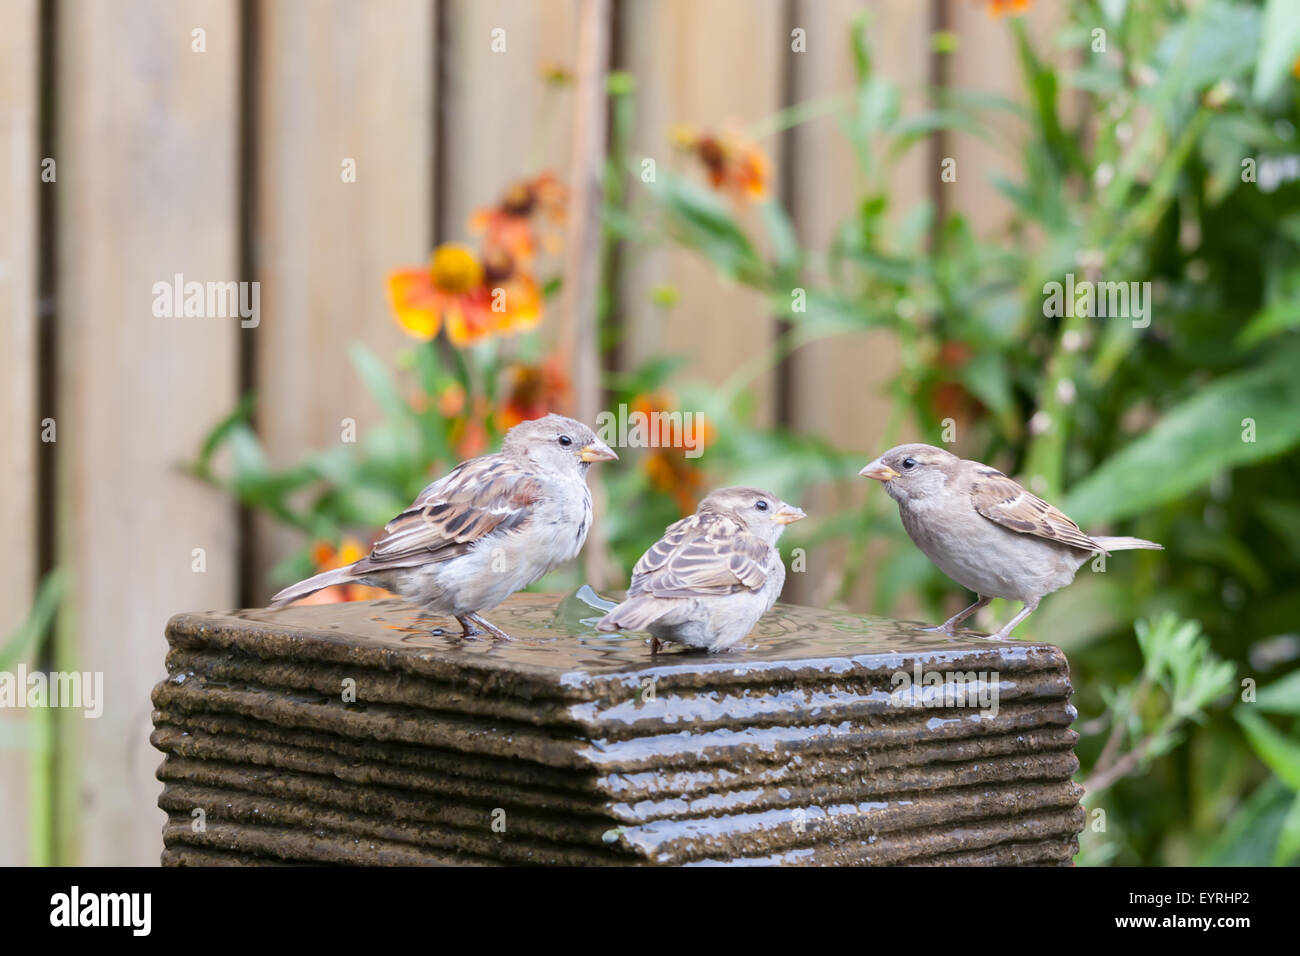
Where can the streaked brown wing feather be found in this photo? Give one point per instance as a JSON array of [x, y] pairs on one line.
[[475, 499], [703, 554], [1000, 499]]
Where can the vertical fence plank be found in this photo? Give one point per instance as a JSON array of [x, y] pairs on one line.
[[147, 177], [712, 66], [19, 182], [336, 81], [500, 121], [837, 384]]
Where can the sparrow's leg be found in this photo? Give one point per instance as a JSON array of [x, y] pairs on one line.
[[467, 626], [1028, 609], [491, 628], [960, 616], [655, 644]]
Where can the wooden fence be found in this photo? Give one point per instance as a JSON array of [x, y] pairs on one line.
[[205, 138]]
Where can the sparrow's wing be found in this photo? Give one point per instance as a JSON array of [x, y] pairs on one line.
[[1000, 499], [703, 554], [479, 497]]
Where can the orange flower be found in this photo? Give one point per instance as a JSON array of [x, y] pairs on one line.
[[473, 300], [648, 405], [535, 390], [668, 468], [732, 164], [1000, 8], [509, 225], [451, 402], [449, 288], [670, 475], [950, 398], [326, 558]]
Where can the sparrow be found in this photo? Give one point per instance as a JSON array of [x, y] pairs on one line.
[[712, 575], [488, 528], [985, 531]]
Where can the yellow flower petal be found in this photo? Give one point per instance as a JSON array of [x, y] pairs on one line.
[[414, 305]]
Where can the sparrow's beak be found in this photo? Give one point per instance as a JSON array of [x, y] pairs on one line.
[[597, 451], [879, 471], [788, 514]]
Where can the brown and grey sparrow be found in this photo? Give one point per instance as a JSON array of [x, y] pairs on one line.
[[492, 526], [985, 531], [712, 575]]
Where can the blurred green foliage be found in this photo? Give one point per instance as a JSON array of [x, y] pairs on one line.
[[1185, 430], [34, 735]]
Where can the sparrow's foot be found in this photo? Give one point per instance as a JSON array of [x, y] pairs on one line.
[[950, 626], [468, 628], [491, 628], [1005, 633]]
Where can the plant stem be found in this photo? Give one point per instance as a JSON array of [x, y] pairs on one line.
[[578, 334], [1045, 463], [1119, 726]]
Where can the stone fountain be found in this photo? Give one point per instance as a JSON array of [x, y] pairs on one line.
[[351, 734]]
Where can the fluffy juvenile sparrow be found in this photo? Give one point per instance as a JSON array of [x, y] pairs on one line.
[[985, 531], [712, 575], [491, 526]]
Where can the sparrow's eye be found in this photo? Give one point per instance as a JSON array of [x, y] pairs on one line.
[[760, 504], [566, 441], [909, 463]]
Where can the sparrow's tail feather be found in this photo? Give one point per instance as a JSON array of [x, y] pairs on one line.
[[1125, 544], [634, 615], [313, 584]]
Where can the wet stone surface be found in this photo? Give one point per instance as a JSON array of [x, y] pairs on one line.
[[354, 734]]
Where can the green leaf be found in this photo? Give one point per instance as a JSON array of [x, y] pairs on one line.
[[251, 469], [242, 414], [1281, 696], [1040, 81], [1273, 320], [1250, 836], [380, 383], [1279, 46], [919, 125], [861, 49], [986, 377], [1283, 518], [878, 106], [1278, 751], [1113, 10], [1195, 441], [1288, 841], [785, 244], [702, 222], [1215, 42]]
